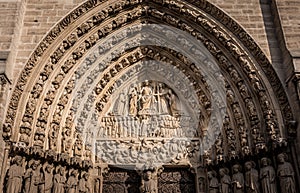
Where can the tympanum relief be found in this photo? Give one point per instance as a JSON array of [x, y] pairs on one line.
[[147, 123]]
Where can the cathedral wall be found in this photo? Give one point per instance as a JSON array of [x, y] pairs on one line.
[[249, 15], [290, 21], [28, 21], [41, 15], [25, 22]]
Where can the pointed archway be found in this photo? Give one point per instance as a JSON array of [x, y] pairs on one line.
[[89, 61]]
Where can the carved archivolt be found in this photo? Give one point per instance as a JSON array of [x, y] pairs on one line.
[[46, 114]]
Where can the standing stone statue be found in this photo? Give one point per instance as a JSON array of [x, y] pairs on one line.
[[237, 179], [213, 182], [173, 102], [84, 186], [48, 179], [285, 174], [32, 178], [225, 180], [149, 184], [267, 176], [59, 181], [133, 97], [14, 176], [251, 178], [72, 182], [163, 103]]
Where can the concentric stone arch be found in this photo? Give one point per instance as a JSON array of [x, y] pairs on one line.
[[40, 100]]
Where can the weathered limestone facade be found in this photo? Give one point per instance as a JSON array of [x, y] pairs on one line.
[[61, 95]]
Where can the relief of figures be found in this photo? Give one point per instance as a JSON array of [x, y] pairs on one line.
[[154, 126], [142, 150], [133, 97], [147, 98]]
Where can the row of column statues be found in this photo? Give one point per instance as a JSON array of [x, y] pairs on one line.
[[253, 181], [42, 179], [45, 178]]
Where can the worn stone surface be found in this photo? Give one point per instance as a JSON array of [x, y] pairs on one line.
[[53, 90]]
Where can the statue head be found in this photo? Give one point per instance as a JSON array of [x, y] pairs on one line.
[[249, 165], [265, 161], [61, 170], [211, 174], [148, 175], [48, 168], [236, 168], [282, 157], [223, 172], [18, 160], [35, 165]]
